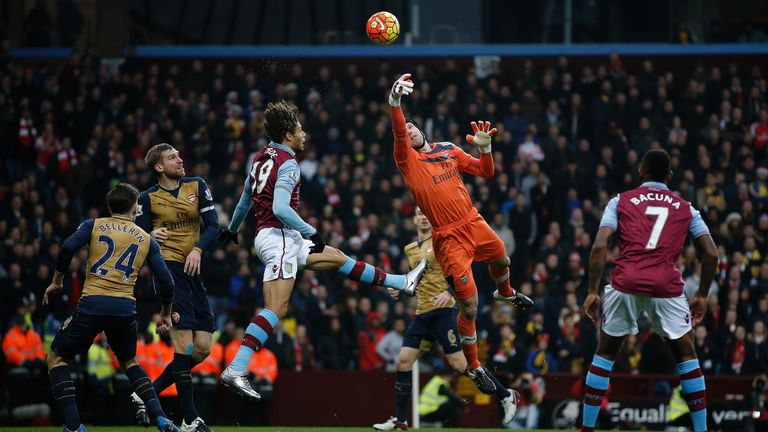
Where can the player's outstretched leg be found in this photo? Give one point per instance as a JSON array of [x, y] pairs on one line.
[[360, 271], [64, 392], [333, 259], [142, 387], [594, 390]]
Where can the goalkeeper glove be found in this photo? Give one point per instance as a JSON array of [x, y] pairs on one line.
[[403, 86], [482, 136]]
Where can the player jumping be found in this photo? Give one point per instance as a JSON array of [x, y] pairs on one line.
[[117, 250], [432, 172], [435, 321], [653, 224], [284, 242], [173, 211]]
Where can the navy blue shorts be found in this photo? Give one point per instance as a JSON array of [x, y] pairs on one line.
[[79, 330], [190, 300], [438, 325]]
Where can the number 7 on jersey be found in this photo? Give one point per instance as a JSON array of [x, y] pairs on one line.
[[661, 214]]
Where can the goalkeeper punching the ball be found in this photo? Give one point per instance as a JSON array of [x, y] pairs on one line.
[[432, 172]]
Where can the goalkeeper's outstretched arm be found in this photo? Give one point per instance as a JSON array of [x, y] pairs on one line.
[[482, 167], [402, 86]]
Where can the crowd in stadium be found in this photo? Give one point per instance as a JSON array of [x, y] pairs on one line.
[[569, 139]]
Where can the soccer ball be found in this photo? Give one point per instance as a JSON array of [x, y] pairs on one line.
[[382, 28]]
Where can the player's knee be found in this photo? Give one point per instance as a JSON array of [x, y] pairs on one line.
[[200, 352], [403, 364], [336, 256], [501, 262], [468, 310], [457, 362]]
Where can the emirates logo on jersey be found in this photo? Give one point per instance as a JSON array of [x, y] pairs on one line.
[[192, 197]]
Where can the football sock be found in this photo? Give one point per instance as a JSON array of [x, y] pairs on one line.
[[182, 376], [403, 384], [64, 392], [468, 338], [501, 390], [694, 392], [501, 278], [165, 379], [256, 335], [360, 271], [143, 387], [594, 390]]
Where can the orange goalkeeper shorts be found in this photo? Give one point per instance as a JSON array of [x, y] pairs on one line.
[[457, 246]]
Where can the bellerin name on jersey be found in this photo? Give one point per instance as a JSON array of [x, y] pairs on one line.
[[112, 226], [651, 196]]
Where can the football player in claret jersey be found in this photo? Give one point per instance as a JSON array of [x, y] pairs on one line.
[[117, 250], [652, 224], [284, 242], [174, 212], [435, 320], [432, 172]]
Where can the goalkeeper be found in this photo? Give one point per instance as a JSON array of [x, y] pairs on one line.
[[432, 172]]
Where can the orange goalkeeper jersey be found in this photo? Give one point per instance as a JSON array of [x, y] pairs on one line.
[[434, 178]]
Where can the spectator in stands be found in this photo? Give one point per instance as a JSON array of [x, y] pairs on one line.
[[540, 360], [77, 128], [303, 349], [706, 351], [532, 391], [389, 346], [368, 339]]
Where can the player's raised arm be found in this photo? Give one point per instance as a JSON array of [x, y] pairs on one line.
[[241, 211], [482, 167], [403, 86], [78, 239]]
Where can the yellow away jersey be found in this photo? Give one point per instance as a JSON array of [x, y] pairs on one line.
[[433, 282], [179, 211], [117, 250]]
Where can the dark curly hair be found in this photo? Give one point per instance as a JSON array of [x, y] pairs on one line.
[[281, 118]]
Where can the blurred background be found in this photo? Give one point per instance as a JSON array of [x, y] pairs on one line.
[[112, 25], [579, 90]]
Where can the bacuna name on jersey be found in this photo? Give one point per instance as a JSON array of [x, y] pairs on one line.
[[653, 196]]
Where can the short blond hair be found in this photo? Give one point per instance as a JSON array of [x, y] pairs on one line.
[[155, 155]]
